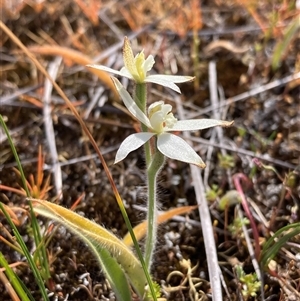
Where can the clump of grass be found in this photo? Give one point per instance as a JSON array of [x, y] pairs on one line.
[[40, 266]]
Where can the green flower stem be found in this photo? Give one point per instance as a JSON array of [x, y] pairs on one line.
[[152, 173], [154, 164], [140, 98]]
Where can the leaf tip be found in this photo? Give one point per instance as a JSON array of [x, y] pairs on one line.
[[201, 165], [227, 124]]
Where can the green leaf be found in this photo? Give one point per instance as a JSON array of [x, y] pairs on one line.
[[41, 253], [114, 274], [104, 245], [34, 269], [275, 243], [13, 279], [281, 46]]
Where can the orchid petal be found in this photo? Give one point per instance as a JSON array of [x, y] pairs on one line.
[[156, 121], [172, 78], [154, 107], [153, 79], [176, 148], [124, 72], [197, 124], [132, 143], [149, 62], [110, 70], [166, 109], [130, 104]]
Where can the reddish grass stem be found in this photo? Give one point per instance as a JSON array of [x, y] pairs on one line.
[[237, 178]]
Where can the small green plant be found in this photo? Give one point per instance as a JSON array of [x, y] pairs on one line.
[[213, 193], [249, 283], [226, 161], [236, 227], [231, 197]]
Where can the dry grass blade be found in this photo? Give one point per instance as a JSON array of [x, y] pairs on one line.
[[90, 9], [76, 57], [208, 233], [141, 229], [49, 129], [11, 213], [9, 287]]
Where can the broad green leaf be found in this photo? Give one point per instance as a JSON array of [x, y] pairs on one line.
[[97, 238], [113, 272]]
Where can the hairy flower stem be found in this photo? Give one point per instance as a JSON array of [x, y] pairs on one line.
[[140, 98], [154, 164], [152, 173]]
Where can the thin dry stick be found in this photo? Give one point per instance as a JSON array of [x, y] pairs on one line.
[[213, 95], [11, 291], [213, 92], [253, 92], [244, 152], [208, 233], [7, 99], [217, 131], [56, 170]]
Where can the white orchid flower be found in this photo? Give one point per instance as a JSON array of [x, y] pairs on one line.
[[160, 122], [136, 68]]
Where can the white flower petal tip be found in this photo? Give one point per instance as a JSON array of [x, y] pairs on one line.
[[203, 165], [176, 148], [95, 66], [117, 83], [130, 144], [103, 68]]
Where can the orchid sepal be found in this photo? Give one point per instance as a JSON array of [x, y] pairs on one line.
[[197, 124], [130, 103], [131, 143], [176, 148]]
